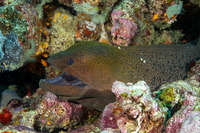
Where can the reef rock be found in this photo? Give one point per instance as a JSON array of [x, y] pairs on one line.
[[21, 35], [144, 22], [194, 74], [11, 52], [123, 29], [175, 93], [134, 110], [191, 123], [187, 118], [55, 113]]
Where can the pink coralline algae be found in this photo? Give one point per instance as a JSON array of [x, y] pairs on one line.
[[188, 112], [134, 110], [194, 74], [144, 22], [191, 123], [123, 29], [108, 119], [56, 113]]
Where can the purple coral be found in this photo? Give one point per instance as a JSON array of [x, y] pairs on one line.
[[123, 29]]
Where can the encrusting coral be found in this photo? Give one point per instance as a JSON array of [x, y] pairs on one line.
[[189, 110], [136, 22], [11, 53], [5, 116], [134, 110], [54, 113]]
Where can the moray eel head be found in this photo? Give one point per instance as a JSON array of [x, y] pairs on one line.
[[87, 74]]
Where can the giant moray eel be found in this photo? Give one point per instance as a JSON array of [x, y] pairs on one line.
[[90, 68]]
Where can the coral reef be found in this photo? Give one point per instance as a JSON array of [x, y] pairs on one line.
[[137, 22], [20, 20], [37, 38], [17, 129], [79, 26], [86, 7], [5, 116], [11, 52], [194, 74], [108, 120], [98, 10], [12, 20], [188, 111], [54, 113], [33, 30], [39, 7], [45, 112], [165, 12], [86, 30], [191, 123], [174, 9], [89, 128], [66, 2], [123, 29], [60, 29], [175, 93], [134, 111], [89, 19]]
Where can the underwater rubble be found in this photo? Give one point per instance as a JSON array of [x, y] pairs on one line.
[[31, 31]]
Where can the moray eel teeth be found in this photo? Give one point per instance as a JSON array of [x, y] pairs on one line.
[[65, 79]]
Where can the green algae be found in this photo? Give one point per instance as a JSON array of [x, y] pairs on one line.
[[167, 95], [197, 106], [98, 130], [124, 95]]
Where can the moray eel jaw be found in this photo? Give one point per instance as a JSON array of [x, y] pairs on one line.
[[69, 87], [66, 86]]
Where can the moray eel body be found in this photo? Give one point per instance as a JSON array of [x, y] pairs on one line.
[[90, 68]]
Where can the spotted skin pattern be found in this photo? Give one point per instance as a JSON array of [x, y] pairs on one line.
[[98, 65]]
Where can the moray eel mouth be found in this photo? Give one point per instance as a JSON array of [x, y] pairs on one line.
[[65, 86], [66, 80]]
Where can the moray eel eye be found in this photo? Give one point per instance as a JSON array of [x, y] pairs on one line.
[[70, 62]]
